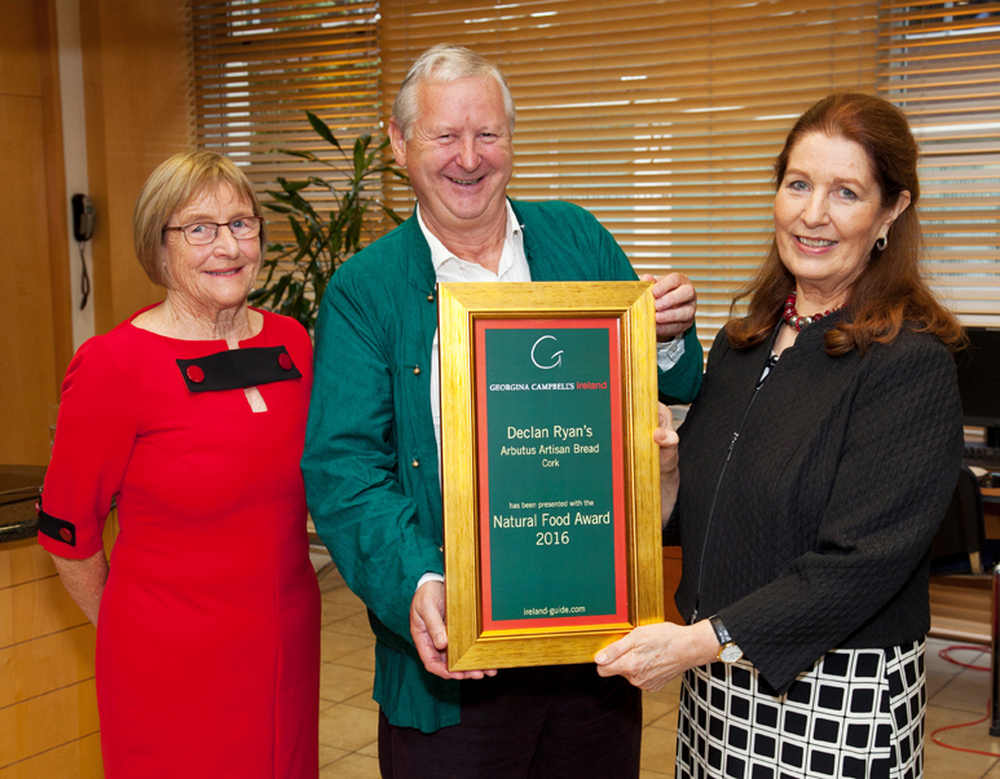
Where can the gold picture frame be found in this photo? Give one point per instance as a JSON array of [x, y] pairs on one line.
[[470, 316]]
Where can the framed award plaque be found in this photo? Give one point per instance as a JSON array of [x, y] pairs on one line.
[[550, 474]]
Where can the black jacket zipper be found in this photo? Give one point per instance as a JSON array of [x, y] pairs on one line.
[[769, 366]]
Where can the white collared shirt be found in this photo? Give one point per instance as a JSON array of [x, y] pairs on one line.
[[447, 267]]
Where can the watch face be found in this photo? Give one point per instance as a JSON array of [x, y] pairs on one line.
[[730, 653]]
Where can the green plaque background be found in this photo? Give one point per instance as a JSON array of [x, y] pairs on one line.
[[541, 576]]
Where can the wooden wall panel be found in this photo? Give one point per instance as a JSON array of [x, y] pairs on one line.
[[32, 668], [79, 759], [29, 390], [24, 561], [35, 609], [136, 80], [35, 317], [20, 72], [46, 662], [136, 64], [51, 720]]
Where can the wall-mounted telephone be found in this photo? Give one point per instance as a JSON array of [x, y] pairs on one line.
[[84, 218]]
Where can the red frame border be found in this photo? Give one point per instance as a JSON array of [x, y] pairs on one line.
[[480, 326]]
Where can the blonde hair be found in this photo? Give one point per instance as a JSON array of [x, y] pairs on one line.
[[445, 62], [174, 183]]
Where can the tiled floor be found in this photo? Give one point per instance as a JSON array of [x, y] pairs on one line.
[[348, 718]]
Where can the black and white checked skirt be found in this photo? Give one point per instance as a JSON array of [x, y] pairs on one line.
[[855, 713]]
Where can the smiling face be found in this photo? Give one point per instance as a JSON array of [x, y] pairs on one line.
[[828, 214], [459, 154], [205, 280]]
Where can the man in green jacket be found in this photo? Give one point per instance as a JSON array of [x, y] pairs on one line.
[[372, 443]]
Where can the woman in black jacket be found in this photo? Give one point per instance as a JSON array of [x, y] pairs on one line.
[[815, 468]]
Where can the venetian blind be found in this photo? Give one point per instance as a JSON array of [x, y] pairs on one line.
[[940, 63], [260, 64], [662, 117]]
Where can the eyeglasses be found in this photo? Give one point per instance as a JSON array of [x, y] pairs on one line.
[[203, 233]]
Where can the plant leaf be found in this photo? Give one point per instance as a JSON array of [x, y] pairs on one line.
[[360, 145], [393, 215], [293, 186], [306, 155], [323, 130]]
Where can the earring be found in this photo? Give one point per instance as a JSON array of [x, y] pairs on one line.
[[881, 242]]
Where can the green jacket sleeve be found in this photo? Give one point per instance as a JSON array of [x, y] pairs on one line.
[[355, 490], [681, 382]]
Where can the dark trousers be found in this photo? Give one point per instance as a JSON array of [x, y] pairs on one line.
[[526, 723]]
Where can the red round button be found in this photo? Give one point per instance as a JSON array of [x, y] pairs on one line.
[[195, 373], [285, 361], [65, 534]]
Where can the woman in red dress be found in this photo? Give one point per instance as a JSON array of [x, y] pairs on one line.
[[190, 417]]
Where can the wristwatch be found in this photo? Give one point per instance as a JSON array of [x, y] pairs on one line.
[[729, 650]]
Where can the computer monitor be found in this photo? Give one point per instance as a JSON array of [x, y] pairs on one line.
[[979, 381]]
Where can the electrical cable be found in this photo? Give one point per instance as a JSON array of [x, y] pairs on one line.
[[84, 278], [945, 655]]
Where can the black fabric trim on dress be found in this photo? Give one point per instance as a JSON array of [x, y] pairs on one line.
[[55, 528], [238, 369]]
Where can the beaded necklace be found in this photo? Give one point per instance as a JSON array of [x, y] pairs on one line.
[[795, 320]]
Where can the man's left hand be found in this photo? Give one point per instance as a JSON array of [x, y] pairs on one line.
[[676, 302]]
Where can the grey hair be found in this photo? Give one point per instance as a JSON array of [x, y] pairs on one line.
[[445, 62]]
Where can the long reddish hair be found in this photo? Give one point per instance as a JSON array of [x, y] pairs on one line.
[[890, 291]]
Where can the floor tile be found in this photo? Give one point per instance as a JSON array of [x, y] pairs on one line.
[[658, 750], [355, 624], [339, 604], [371, 750], [347, 727], [355, 766], [939, 761], [334, 610], [362, 700], [658, 712], [328, 755], [329, 577], [340, 682], [669, 694], [967, 691], [349, 716], [335, 645], [360, 658]]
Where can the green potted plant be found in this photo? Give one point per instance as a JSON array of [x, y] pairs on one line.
[[298, 271]]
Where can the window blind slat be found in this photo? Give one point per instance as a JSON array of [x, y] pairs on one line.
[[941, 65], [260, 64], [662, 119]]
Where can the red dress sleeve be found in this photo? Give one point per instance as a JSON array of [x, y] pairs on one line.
[[95, 431]]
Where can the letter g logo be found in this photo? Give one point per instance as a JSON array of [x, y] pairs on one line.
[[551, 361]]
